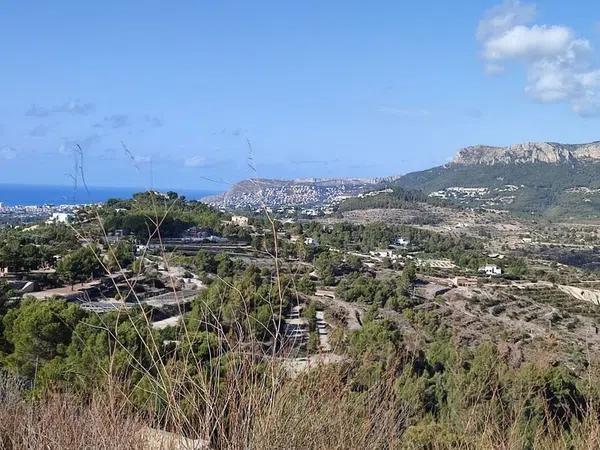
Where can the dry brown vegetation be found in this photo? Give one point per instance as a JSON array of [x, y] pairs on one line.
[[315, 411], [64, 421]]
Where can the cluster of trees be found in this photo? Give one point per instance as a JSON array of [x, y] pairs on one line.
[[331, 264], [353, 237], [90, 261], [247, 303], [512, 267], [218, 264], [5, 295], [80, 265], [56, 342], [399, 198], [33, 248], [436, 387], [441, 385], [393, 292], [170, 213], [466, 252]]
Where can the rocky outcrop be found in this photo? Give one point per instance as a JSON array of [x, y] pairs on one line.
[[529, 152]]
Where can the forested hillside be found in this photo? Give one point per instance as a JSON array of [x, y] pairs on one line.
[[563, 189]]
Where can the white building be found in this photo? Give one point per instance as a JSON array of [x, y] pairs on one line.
[[241, 221], [380, 254], [60, 218], [490, 269], [311, 241], [309, 212], [403, 242]]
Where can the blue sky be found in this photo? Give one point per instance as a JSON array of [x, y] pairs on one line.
[[337, 88]]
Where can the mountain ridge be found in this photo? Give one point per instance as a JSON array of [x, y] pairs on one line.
[[528, 152], [542, 178], [532, 177]]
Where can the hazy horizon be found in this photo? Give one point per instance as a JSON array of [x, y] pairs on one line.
[[36, 194]]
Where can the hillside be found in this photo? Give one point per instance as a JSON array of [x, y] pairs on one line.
[[255, 193], [389, 198], [556, 180], [367, 324], [559, 181]]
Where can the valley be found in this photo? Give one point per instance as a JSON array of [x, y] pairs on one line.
[[311, 279]]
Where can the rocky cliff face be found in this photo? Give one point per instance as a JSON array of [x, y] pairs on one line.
[[529, 152]]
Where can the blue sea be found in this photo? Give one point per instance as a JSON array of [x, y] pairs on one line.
[[17, 194]]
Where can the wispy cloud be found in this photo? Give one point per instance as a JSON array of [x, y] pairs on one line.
[[153, 121], [138, 123], [314, 162], [39, 131], [559, 64], [195, 161], [142, 159], [404, 112], [201, 161], [109, 154], [474, 113], [68, 145], [37, 111], [114, 121], [235, 132], [74, 107], [7, 152]]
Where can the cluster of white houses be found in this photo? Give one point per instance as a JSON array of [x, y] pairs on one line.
[[490, 269]]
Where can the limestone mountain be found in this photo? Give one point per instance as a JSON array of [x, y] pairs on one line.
[[529, 152], [556, 180]]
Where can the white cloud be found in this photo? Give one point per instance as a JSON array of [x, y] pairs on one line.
[[505, 17], [142, 159], [529, 43], [74, 107], [406, 112], [196, 161], [558, 63]]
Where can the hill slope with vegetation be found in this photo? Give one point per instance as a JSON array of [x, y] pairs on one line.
[[395, 372], [393, 197], [556, 190]]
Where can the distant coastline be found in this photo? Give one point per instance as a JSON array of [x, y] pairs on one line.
[[22, 194]]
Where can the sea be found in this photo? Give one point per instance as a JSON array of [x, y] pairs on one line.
[[26, 195]]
